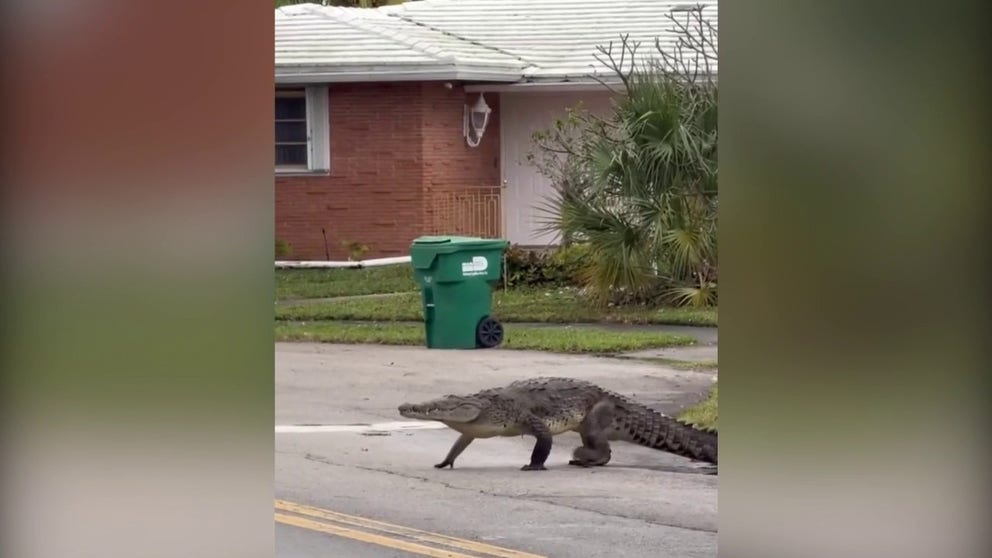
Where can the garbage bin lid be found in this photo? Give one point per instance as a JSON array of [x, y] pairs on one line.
[[435, 239], [463, 240]]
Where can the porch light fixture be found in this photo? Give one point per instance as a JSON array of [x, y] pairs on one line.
[[475, 121]]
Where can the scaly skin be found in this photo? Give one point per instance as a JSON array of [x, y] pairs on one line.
[[545, 407]]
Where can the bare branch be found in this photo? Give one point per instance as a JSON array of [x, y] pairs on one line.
[[618, 67]]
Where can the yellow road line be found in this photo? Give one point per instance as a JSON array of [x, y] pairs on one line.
[[367, 537], [408, 532]]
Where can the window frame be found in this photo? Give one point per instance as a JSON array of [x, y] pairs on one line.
[[297, 93], [318, 129]]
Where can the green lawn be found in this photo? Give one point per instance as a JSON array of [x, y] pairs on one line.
[[678, 364], [294, 284], [704, 414], [557, 339], [518, 305]]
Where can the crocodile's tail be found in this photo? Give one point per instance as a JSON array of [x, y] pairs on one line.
[[641, 425]]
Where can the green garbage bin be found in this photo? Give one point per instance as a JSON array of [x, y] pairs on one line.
[[456, 275]]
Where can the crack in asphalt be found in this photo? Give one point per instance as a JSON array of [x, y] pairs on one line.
[[526, 496]]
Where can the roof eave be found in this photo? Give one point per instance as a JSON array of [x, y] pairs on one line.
[[550, 83], [359, 74]]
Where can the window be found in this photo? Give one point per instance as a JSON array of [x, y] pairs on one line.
[[291, 129], [301, 130]]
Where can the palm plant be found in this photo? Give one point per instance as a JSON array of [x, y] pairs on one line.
[[640, 186]]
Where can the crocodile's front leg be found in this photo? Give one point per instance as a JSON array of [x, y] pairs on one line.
[[542, 448], [460, 444]]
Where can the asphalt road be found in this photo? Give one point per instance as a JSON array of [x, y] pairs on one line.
[[353, 478]]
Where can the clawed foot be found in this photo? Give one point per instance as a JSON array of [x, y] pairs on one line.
[[579, 463], [533, 468], [444, 464]]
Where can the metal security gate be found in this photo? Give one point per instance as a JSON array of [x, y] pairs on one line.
[[468, 212]]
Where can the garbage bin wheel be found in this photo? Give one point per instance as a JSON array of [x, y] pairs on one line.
[[489, 332]]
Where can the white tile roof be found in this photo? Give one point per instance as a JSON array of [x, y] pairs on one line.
[[352, 44], [486, 40]]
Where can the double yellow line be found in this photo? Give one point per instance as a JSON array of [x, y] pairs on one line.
[[371, 531]]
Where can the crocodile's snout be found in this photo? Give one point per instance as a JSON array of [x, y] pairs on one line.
[[449, 408], [408, 409]]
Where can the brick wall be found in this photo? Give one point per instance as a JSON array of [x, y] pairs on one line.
[[392, 147]]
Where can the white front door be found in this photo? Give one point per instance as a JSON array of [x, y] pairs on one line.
[[524, 188]]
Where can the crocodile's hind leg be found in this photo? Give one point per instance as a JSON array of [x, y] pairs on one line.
[[595, 449], [593, 452]]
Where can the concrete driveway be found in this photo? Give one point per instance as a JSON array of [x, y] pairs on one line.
[[353, 478]]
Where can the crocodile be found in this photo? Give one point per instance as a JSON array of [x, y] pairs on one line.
[[544, 407]]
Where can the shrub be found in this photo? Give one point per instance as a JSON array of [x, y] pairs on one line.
[[639, 185], [283, 249], [356, 250], [535, 268]]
